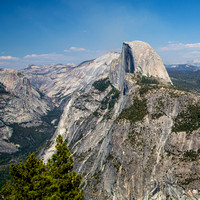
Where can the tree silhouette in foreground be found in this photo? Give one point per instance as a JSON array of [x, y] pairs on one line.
[[52, 181]]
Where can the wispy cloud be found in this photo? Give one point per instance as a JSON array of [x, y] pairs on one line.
[[179, 46], [66, 50], [178, 52], [49, 57], [2, 64], [44, 56], [8, 58], [38, 59], [78, 49]]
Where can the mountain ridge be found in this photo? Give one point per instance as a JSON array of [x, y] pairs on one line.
[[122, 136], [70, 79], [183, 67], [22, 110], [132, 133]]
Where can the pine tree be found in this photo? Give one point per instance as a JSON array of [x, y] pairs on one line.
[[35, 180], [65, 181], [25, 178]]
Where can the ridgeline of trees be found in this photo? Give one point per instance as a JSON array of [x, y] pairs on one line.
[[55, 180]]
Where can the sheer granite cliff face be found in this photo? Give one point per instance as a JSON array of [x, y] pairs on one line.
[[133, 135], [139, 58], [135, 154]]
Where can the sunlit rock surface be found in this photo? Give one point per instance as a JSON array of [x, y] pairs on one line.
[[21, 104], [130, 137], [61, 81]]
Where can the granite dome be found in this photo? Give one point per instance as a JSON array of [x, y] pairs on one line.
[[140, 57]]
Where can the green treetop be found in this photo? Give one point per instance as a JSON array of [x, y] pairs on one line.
[[34, 180]]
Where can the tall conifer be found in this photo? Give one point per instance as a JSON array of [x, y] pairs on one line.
[[34, 180]]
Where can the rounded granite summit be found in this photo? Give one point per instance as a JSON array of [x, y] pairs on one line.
[[140, 57]]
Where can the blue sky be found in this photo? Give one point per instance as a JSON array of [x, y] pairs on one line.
[[71, 31]]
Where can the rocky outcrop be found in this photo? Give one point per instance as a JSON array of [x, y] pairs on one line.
[[59, 82], [144, 166], [20, 106], [25, 99], [133, 135], [141, 153], [139, 58]]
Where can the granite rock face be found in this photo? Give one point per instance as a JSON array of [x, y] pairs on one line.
[[133, 139], [135, 154], [21, 104], [59, 82], [25, 100], [139, 58]]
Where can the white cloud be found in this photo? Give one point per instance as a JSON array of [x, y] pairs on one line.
[[8, 58], [49, 57], [78, 49], [38, 59], [37, 56], [179, 46], [52, 58]]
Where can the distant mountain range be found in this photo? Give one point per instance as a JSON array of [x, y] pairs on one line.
[[185, 76], [182, 67]]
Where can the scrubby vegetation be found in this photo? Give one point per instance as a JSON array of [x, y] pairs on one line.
[[36, 180], [51, 115], [190, 155], [135, 139], [101, 84], [109, 100], [144, 89], [187, 181], [188, 120], [3, 89], [136, 111], [146, 84], [157, 115], [148, 80], [159, 109], [4, 175]]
